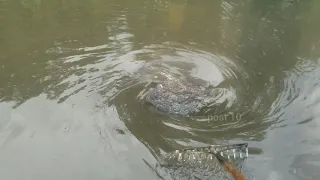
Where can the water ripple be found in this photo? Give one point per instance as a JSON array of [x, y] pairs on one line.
[[159, 62], [295, 93]]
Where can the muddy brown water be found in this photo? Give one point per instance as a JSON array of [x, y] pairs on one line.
[[73, 75]]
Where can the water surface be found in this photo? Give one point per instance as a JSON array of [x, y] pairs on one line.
[[73, 75]]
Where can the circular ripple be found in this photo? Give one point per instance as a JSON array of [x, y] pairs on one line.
[[224, 79], [166, 62]]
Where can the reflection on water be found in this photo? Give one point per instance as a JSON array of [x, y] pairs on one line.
[[74, 74]]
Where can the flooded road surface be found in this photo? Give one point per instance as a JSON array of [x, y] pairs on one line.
[[74, 75]]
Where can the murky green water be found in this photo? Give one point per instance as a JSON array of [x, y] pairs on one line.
[[73, 73]]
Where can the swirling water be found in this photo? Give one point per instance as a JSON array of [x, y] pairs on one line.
[[73, 76]]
